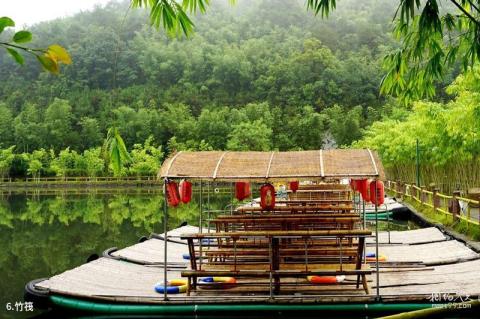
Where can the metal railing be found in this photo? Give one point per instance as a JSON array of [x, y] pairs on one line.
[[454, 205]]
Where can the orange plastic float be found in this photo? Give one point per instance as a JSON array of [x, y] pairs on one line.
[[371, 257], [325, 279]]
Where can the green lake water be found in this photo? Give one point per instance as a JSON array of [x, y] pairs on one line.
[[43, 235]]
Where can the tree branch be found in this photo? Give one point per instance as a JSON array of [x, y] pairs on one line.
[[29, 50]]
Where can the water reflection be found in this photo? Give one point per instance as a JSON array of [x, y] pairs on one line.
[[43, 235]]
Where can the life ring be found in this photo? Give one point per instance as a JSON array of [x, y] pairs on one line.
[[225, 280], [325, 279], [187, 256], [174, 286], [371, 257], [218, 282]]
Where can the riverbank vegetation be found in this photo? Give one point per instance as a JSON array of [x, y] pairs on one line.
[[470, 230], [448, 134]]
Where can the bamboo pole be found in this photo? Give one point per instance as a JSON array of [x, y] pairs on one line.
[[428, 313], [165, 230]]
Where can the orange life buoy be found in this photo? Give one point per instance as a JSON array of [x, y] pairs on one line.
[[325, 279], [371, 257]]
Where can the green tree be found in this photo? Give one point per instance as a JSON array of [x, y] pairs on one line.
[[250, 136], [65, 162], [146, 158], [345, 126], [115, 151], [93, 161], [89, 132], [38, 161], [431, 39], [30, 131], [58, 122], [309, 129], [6, 159], [213, 126], [6, 126]]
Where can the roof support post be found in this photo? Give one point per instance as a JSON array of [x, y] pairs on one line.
[[165, 239], [377, 274], [200, 222]]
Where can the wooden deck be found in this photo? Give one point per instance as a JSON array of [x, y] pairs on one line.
[[132, 279], [411, 237]]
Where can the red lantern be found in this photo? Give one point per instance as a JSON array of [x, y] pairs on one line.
[[185, 191], [267, 197], [247, 190], [353, 185], [362, 186], [173, 197], [294, 186], [242, 190], [377, 192]]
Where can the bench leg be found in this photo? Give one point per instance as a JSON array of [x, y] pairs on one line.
[[194, 283], [358, 281], [189, 286], [365, 284]]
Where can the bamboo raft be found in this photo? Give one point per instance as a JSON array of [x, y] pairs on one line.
[[132, 278], [270, 255]]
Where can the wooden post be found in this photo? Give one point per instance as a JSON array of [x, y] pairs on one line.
[[454, 205], [421, 196], [435, 199], [165, 239], [398, 188], [275, 266]]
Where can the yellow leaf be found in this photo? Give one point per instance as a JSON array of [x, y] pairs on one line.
[[58, 53], [48, 63]]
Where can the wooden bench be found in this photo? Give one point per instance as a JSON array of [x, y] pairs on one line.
[[315, 194], [285, 223], [306, 202], [280, 264], [327, 186], [226, 255], [340, 208], [277, 214]]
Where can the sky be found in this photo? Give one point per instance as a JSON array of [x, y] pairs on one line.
[[28, 12]]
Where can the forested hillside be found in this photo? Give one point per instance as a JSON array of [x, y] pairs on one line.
[[301, 76], [260, 75]]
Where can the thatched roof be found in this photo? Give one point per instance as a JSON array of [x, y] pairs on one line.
[[298, 165]]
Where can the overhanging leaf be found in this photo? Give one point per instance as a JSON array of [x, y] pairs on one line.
[[59, 53], [6, 22], [22, 37], [18, 58], [48, 63]]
